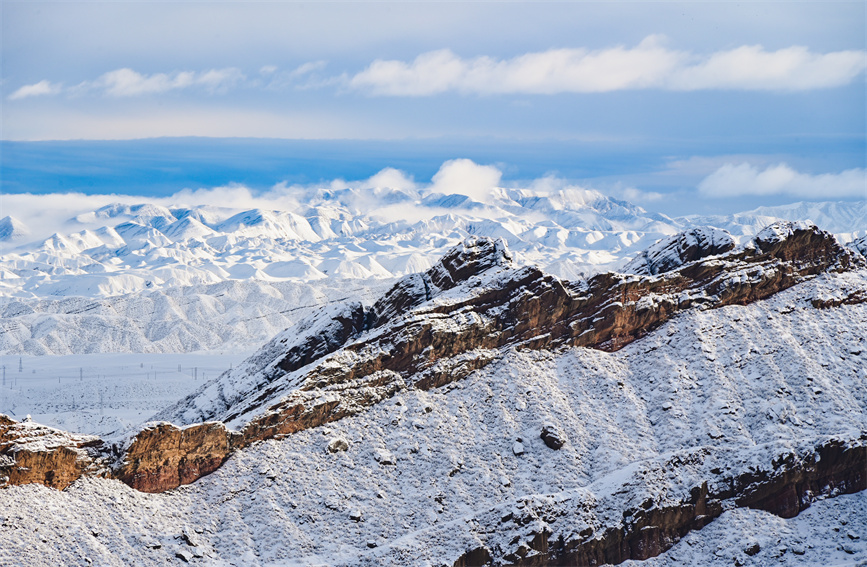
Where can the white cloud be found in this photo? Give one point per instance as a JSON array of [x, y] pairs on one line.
[[391, 178], [649, 65], [634, 195], [753, 68], [466, 177], [38, 89], [126, 82], [732, 180]]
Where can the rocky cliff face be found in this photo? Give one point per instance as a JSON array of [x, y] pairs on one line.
[[461, 330], [164, 455], [679, 249], [30, 452], [435, 328]]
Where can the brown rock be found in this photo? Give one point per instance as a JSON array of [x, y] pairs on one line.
[[447, 340], [164, 456], [833, 468], [30, 452]]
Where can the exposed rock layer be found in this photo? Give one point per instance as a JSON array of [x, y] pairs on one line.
[[164, 455], [444, 341]]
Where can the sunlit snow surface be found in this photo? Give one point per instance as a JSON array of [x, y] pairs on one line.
[[745, 382], [740, 384]]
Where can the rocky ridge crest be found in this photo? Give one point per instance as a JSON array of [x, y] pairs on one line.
[[429, 330]]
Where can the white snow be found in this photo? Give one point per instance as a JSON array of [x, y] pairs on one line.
[[832, 532], [173, 266], [731, 387]]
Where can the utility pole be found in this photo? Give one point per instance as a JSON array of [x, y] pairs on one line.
[[20, 364]]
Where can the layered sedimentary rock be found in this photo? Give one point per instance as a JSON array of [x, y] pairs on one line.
[[676, 250], [445, 339], [434, 328], [165, 455]]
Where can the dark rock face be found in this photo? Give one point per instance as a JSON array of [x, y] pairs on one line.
[[859, 245], [164, 456], [342, 327], [785, 488], [445, 341], [473, 257], [552, 436]]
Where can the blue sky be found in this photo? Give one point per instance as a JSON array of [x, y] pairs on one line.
[[680, 107]]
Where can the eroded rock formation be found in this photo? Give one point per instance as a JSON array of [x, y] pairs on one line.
[[443, 340], [164, 455], [30, 452]]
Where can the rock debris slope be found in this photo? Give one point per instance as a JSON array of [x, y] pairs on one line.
[[486, 413]]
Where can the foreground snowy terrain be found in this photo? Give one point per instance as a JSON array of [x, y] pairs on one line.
[[138, 311], [426, 474]]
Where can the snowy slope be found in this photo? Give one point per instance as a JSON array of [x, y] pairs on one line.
[[429, 475], [846, 219], [121, 249], [12, 229]]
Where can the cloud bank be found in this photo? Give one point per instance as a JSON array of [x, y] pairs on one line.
[[734, 180], [48, 213], [649, 65], [126, 82]]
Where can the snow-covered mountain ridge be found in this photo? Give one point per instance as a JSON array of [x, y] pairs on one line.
[[148, 278], [353, 234], [545, 454]]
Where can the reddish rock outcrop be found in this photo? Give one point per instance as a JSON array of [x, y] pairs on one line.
[[30, 452], [446, 340], [163, 456], [362, 357], [442, 342]]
